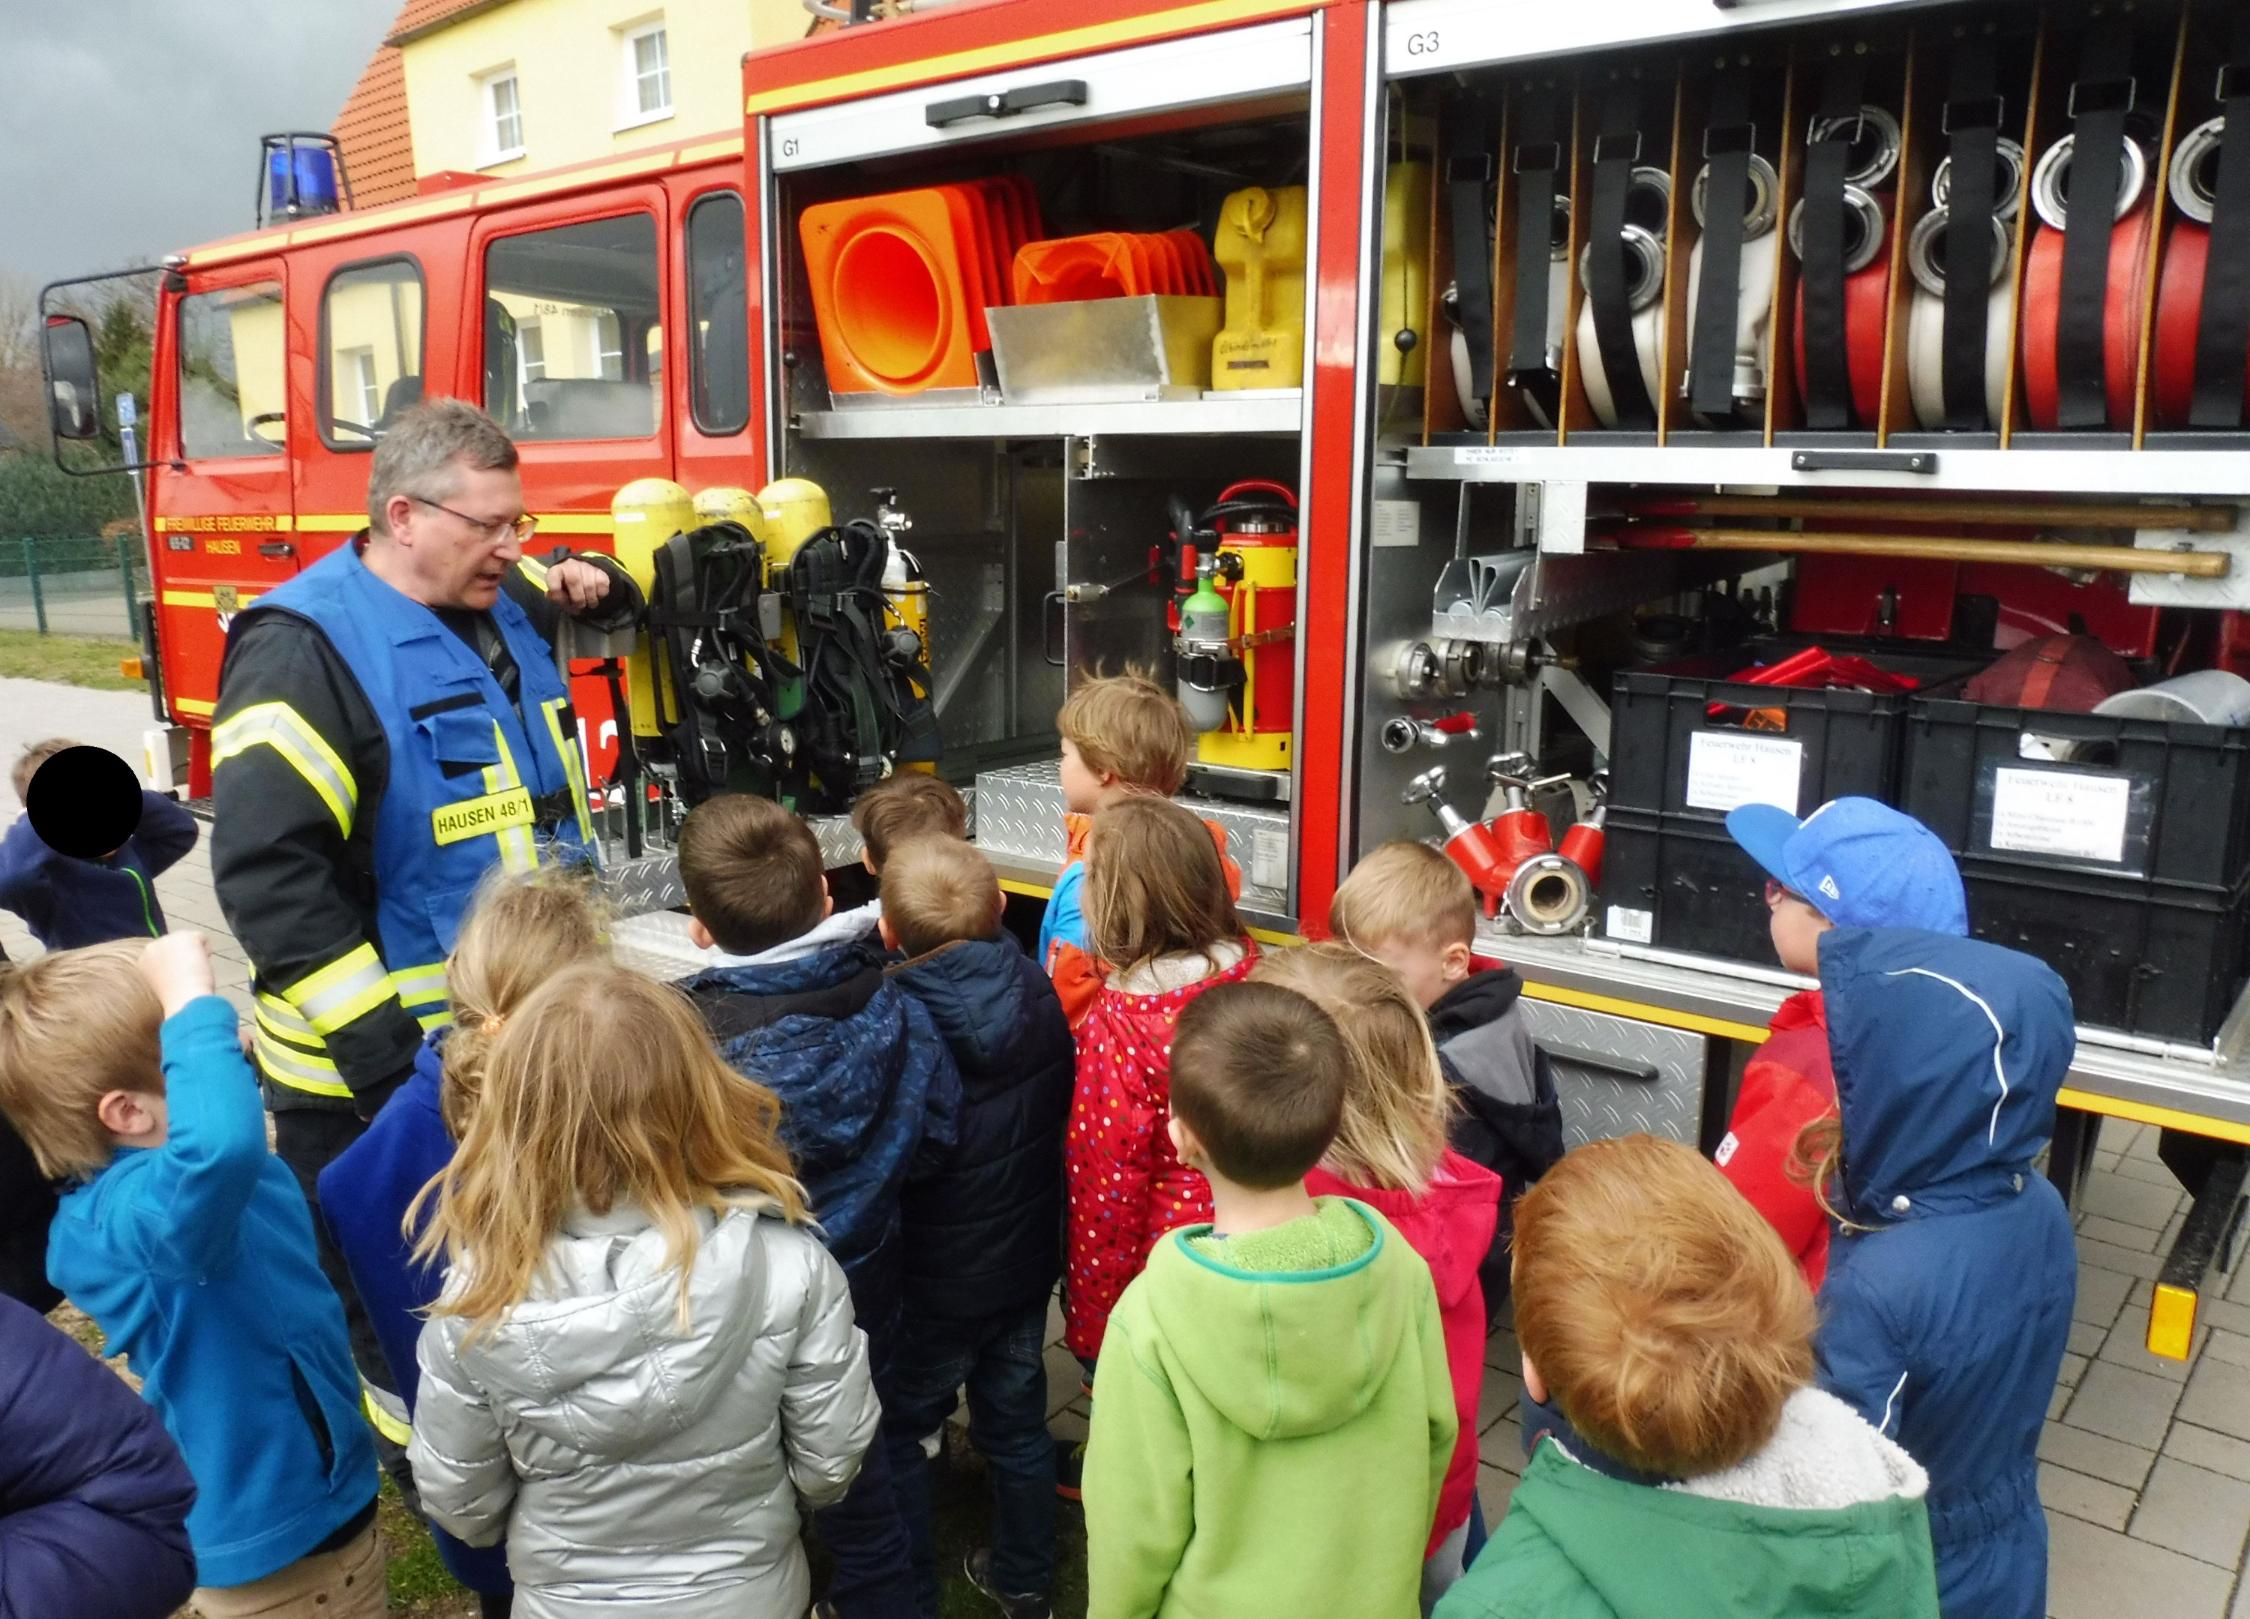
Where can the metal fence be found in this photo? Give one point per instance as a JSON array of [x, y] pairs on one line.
[[73, 586]]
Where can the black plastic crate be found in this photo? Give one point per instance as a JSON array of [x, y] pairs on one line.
[[2149, 958], [1679, 884], [1670, 755], [2131, 798]]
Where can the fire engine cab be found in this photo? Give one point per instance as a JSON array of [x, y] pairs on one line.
[[1538, 430]]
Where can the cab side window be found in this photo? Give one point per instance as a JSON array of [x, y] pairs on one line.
[[232, 348], [370, 351], [718, 314], [573, 331]]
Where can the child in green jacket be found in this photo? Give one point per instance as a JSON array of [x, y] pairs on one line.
[[1272, 1410], [1695, 1472]]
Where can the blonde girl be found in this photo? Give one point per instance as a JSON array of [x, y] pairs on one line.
[[519, 931], [1158, 912], [1390, 1153], [644, 1356]]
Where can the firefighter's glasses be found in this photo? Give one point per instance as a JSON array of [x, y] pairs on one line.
[[519, 528]]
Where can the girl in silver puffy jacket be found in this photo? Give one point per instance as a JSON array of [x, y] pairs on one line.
[[643, 1358]]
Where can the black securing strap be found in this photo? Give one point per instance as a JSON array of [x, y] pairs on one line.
[[1471, 133], [1827, 350], [1616, 149], [2222, 334], [1537, 157], [1727, 144], [2099, 101], [1972, 127]]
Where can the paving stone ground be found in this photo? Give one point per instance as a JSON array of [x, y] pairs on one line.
[[2144, 1463]]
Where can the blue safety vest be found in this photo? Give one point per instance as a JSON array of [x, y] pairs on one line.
[[469, 772]]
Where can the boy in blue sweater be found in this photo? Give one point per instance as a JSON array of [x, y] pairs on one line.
[[191, 1248], [67, 901]]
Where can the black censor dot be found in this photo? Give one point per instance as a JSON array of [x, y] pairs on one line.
[[84, 802]]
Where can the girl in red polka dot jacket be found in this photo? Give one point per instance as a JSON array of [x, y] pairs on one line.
[[1159, 914]]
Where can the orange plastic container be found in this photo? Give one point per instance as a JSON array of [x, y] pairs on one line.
[[897, 292], [1073, 269]]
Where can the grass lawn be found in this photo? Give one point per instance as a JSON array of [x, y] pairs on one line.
[[75, 660], [420, 1588]]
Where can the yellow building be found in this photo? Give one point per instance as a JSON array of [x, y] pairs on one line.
[[504, 86]]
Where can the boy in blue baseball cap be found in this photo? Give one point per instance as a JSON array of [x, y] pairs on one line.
[[1852, 863]]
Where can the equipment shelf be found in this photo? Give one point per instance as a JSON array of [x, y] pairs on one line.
[[2165, 472]]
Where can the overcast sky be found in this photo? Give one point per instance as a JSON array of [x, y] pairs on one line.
[[129, 128]]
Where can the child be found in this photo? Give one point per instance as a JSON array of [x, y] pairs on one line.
[[68, 902], [1157, 910], [190, 1246], [1122, 735], [1272, 1415], [94, 1498], [902, 807], [1953, 1271], [519, 932], [643, 1356], [798, 1001], [1852, 863], [1413, 910], [1390, 1154], [984, 1232], [1704, 1477]]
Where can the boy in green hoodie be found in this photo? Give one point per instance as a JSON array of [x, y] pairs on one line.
[[1700, 1475], [1272, 1411]]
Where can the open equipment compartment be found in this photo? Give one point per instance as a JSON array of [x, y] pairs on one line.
[[1045, 484]]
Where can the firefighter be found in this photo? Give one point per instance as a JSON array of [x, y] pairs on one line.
[[390, 727]]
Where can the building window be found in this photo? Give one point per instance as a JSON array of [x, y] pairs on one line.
[[645, 84], [531, 352], [359, 372], [503, 118], [609, 347]]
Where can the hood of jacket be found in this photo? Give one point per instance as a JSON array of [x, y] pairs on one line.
[[580, 1360], [1481, 998], [977, 993], [1828, 1518], [1284, 1354], [1948, 1053], [1450, 1223]]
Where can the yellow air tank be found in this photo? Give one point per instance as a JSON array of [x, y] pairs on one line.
[[795, 510], [726, 503], [1406, 276], [1261, 247], [646, 513]]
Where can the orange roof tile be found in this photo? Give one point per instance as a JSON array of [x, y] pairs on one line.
[[372, 129], [418, 17]]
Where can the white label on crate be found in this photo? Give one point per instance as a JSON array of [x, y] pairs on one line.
[[1269, 858], [1397, 522], [1631, 926], [1727, 769], [2060, 812]]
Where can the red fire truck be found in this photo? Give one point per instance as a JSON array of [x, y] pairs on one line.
[[1472, 502]]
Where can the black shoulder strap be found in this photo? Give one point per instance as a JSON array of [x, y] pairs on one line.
[[2222, 335], [1972, 130], [1827, 368], [2099, 101], [1727, 143], [1616, 149], [1537, 158], [1470, 135], [730, 1014]]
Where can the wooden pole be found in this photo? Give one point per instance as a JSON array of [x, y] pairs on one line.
[[1939, 548], [1972, 513]]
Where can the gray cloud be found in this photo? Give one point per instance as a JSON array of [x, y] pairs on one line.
[[129, 128]]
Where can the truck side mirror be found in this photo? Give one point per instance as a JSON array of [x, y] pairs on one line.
[[73, 400]]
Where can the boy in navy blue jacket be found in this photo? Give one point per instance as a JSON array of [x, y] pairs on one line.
[[984, 1227], [797, 1001], [68, 902], [190, 1246]]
